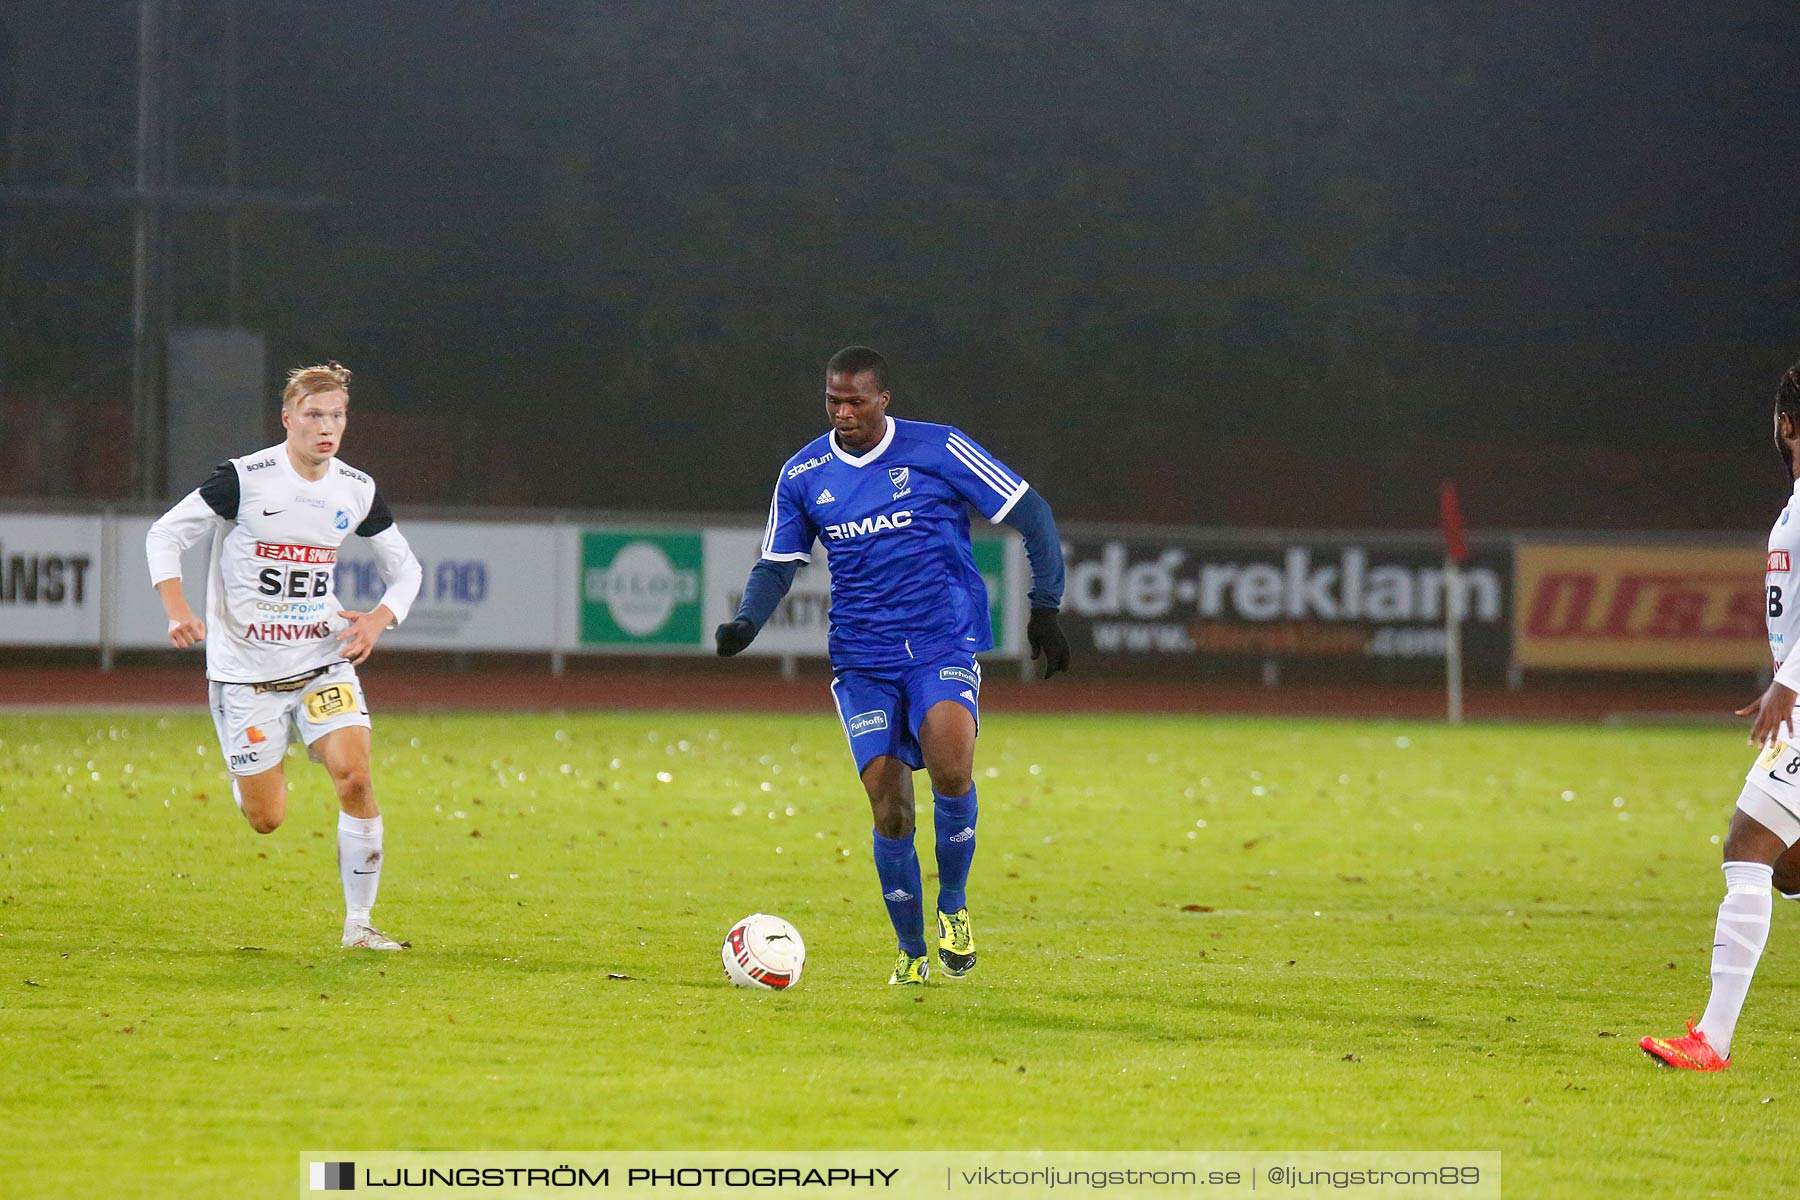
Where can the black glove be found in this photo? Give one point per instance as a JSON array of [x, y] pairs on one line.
[[733, 636], [1046, 638]]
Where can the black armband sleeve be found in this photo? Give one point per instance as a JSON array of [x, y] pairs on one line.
[[220, 491], [379, 518]]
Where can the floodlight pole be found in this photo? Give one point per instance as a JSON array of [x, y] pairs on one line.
[[149, 198], [146, 430], [233, 274]]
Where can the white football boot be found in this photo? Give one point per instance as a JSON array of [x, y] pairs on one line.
[[359, 936]]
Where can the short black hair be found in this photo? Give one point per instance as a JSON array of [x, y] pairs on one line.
[[854, 360], [1787, 393]]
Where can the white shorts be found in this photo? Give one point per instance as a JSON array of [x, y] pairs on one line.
[[1772, 791], [254, 720]]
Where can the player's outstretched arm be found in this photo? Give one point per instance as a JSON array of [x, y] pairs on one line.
[[1043, 549], [185, 629], [399, 567], [194, 516], [1772, 711], [768, 583], [1043, 633], [400, 571], [358, 640]]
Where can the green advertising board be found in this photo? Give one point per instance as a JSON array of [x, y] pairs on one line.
[[640, 588], [990, 560]]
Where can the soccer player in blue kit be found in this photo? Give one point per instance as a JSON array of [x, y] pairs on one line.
[[909, 612]]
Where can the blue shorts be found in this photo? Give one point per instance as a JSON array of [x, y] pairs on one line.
[[882, 710]]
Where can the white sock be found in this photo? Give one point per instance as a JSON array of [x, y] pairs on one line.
[[359, 865], [1742, 930]]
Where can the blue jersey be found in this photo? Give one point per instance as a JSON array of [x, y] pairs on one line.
[[895, 523]]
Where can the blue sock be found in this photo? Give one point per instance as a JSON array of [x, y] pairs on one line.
[[897, 865], [955, 820]]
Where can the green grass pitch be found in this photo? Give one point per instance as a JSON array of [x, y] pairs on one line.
[[1194, 934]]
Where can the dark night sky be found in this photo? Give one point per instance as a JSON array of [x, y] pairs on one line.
[[1375, 239]]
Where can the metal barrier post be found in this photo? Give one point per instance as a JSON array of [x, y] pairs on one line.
[[109, 585]]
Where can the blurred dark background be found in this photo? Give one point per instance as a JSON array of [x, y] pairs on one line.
[[1262, 263]]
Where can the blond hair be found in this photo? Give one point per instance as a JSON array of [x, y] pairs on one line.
[[310, 381]]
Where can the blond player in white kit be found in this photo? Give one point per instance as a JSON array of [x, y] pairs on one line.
[[1760, 853], [280, 654]]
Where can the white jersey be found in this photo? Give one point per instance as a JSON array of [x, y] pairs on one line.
[[1782, 597], [271, 612]]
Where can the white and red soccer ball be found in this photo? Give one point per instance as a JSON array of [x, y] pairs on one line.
[[762, 951]]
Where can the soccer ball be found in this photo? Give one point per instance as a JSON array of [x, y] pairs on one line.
[[763, 952]]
